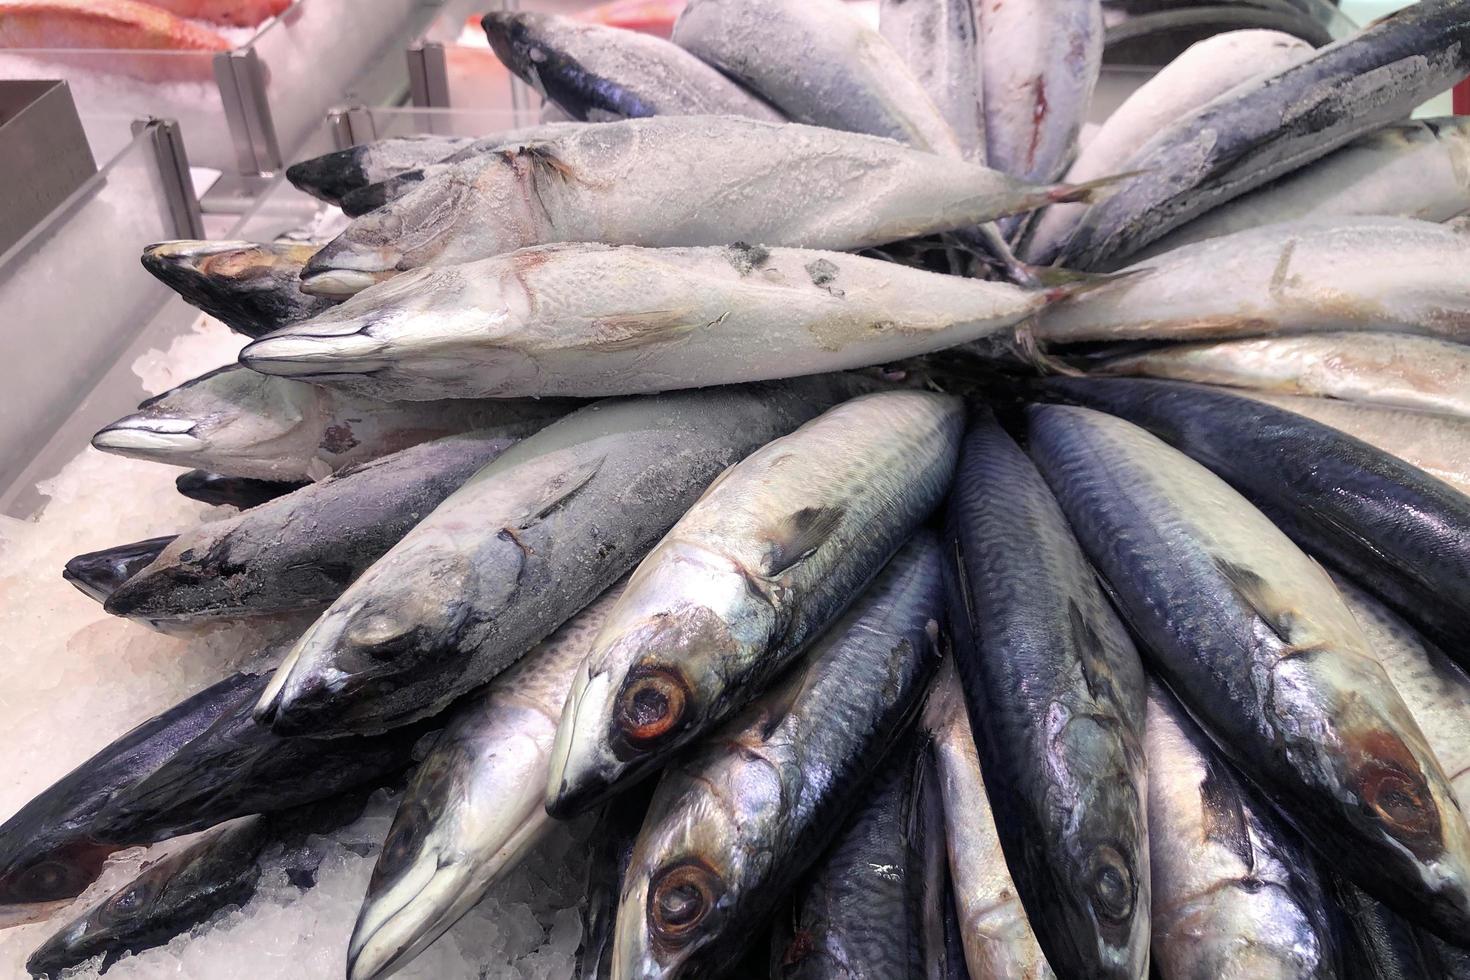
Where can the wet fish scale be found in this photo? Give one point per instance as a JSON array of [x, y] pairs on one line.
[[519, 548], [1275, 125], [301, 550], [731, 827], [590, 319], [1253, 635], [1235, 893], [772, 552], [1041, 64], [1050, 674], [674, 181], [846, 76]]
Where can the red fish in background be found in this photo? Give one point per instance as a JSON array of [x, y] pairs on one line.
[[105, 24], [649, 16], [85, 36], [236, 13]]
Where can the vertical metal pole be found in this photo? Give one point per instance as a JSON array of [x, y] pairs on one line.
[[428, 75], [173, 170]]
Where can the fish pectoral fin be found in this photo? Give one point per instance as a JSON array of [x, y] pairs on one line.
[[1256, 594], [1225, 821], [631, 330], [556, 492], [796, 536], [1092, 657]]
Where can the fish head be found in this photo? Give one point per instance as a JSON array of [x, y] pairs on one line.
[[383, 654], [654, 678], [331, 176], [415, 329], [412, 230], [98, 574], [99, 929], [252, 287], [1105, 849], [227, 412], [37, 880], [681, 887], [471, 811]]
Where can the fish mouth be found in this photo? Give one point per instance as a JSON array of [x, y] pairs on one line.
[[581, 773], [406, 920], [26, 913], [374, 196], [331, 176], [149, 435], [299, 354], [342, 269], [99, 574]]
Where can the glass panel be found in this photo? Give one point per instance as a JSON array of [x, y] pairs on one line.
[[75, 300], [317, 52], [111, 84]]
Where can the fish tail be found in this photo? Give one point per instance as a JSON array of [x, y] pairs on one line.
[[1089, 191], [1028, 349], [1060, 284]]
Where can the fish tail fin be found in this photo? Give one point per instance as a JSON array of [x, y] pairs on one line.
[[1089, 191], [1060, 284], [1028, 348]]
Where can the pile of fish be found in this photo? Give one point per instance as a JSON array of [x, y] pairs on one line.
[[932, 549]]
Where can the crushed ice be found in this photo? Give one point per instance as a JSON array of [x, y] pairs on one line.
[[72, 679]]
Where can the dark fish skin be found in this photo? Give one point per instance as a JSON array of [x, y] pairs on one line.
[[1141, 39], [859, 914], [734, 825], [1397, 531], [236, 767], [231, 491], [1276, 125], [174, 894], [374, 196], [1058, 695], [251, 288], [1267, 656], [98, 574], [170, 896], [612, 847], [1450, 962], [1382, 946], [51, 850], [332, 176], [298, 552], [648, 77]]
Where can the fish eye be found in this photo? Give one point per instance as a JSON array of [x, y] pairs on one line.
[[124, 904], [402, 843], [1402, 802], [651, 705], [680, 900], [49, 880], [1110, 884]]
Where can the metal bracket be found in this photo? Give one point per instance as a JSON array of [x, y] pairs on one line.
[[351, 125], [428, 75], [173, 170], [241, 78]]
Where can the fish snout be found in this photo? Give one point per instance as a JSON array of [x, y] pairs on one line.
[[331, 176], [149, 436], [343, 268], [305, 354]]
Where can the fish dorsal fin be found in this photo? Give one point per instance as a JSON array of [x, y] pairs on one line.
[[555, 492], [796, 536], [1255, 593], [1225, 822]]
